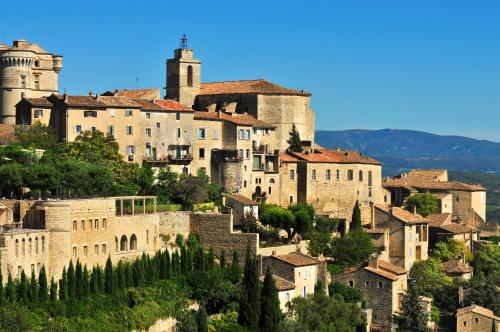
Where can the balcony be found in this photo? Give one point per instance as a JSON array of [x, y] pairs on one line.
[[168, 159], [260, 149], [226, 156]]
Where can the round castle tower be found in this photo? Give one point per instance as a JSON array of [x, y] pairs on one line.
[[26, 70]]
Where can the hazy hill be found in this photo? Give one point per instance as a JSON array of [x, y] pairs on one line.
[[400, 150]]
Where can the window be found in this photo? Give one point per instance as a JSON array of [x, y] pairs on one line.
[[291, 199], [351, 283], [241, 134], [202, 153], [370, 179], [247, 134], [148, 132], [158, 125], [147, 236], [74, 251], [77, 129], [190, 75], [240, 153], [37, 63], [96, 224], [360, 176], [129, 113], [30, 247], [75, 225], [177, 115], [328, 175], [178, 132], [37, 81], [92, 129], [380, 284], [200, 134], [23, 247], [477, 320], [36, 246], [111, 130], [19, 270], [85, 250], [148, 115], [247, 154], [17, 247], [269, 191], [104, 223], [123, 243], [87, 114], [313, 175], [130, 149], [23, 81], [38, 114], [96, 249], [104, 249], [367, 283], [292, 175], [83, 225], [130, 130], [90, 224], [337, 175], [304, 291], [43, 244], [133, 242], [350, 175], [215, 134]]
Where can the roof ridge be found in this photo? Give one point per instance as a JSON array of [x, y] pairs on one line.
[[249, 80]]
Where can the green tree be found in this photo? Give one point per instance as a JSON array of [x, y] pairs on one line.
[[486, 261], [37, 136], [423, 203], [413, 317], [235, 268], [249, 308], [85, 283], [78, 280], [294, 141], [63, 286], [270, 312], [11, 290], [304, 216], [166, 185], [71, 281], [23, 289], [202, 319], [43, 285], [356, 217], [318, 243], [12, 179], [445, 251], [33, 290], [211, 259], [351, 249], [277, 217], [222, 259], [109, 284], [53, 291], [482, 291]]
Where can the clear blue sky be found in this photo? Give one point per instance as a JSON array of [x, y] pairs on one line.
[[414, 64]]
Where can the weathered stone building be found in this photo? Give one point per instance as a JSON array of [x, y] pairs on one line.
[[476, 318]]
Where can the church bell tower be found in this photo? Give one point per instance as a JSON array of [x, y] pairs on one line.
[[183, 75]]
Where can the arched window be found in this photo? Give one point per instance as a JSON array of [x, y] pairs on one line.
[[36, 245], [43, 244], [23, 247], [123, 243], [272, 181], [190, 76], [133, 242], [116, 244], [328, 175], [292, 175], [17, 247], [30, 248]]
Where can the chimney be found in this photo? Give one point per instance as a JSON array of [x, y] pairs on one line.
[[219, 115], [414, 209], [373, 261]]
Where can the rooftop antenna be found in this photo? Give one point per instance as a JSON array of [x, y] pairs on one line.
[[184, 42]]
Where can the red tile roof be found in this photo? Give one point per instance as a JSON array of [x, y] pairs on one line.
[[237, 119], [260, 86], [329, 156], [80, 101], [172, 105], [147, 94], [455, 266], [438, 219], [148, 105], [118, 102], [403, 215], [477, 309], [296, 259], [38, 102], [458, 229], [281, 284]]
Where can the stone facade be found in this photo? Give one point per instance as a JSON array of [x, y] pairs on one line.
[[476, 318], [26, 70]]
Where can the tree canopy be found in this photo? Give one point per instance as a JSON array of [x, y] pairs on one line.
[[294, 141], [423, 203]]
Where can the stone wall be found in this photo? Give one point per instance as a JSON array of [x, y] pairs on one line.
[[472, 322], [173, 223], [215, 231]]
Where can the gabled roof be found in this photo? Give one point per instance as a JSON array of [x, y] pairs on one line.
[[79, 101], [172, 105], [455, 266], [38, 102], [458, 229], [438, 219], [146, 94], [242, 199], [402, 215], [477, 309], [259, 87], [296, 259], [329, 156], [281, 284], [235, 118], [118, 102], [381, 268], [148, 105]]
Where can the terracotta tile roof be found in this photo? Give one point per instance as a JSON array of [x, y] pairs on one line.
[[80, 101], [427, 180], [260, 86], [455, 266], [172, 105], [383, 273], [458, 229], [242, 199], [296, 259], [237, 119], [147, 94], [427, 174], [329, 156], [403, 215], [478, 310], [7, 134], [118, 102], [391, 267], [38, 102], [148, 105], [438, 219], [281, 284]]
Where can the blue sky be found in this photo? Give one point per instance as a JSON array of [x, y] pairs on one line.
[[414, 64]]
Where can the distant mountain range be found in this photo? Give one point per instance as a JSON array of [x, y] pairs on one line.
[[401, 150]]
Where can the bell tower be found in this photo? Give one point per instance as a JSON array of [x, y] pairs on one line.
[[183, 75]]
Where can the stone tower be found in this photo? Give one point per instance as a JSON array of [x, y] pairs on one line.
[[183, 75], [26, 70]]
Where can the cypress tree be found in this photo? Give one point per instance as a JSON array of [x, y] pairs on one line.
[[235, 268], [190, 258], [162, 267], [199, 260], [202, 319], [22, 289], [129, 279], [100, 279], [175, 263], [222, 259], [94, 288], [168, 265], [356, 217], [63, 286], [184, 260], [43, 285], [86, 282], [33, 289], [2, 291], [108, 277], [120, 273], [412, 316], [11, 290], [249, 309], [211, 259], [294, 141], [71, 281], [270, 312], [53, 291], [78, 280]]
